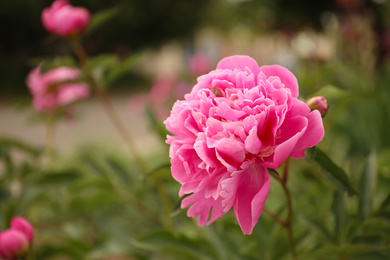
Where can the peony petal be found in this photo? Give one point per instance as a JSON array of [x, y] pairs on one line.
[[200, 206], [69, 93], [293, 129], [252, 143], [313, 134], [34, 81], [230, 153], [286, 76], [205, 153], [226, 112], [240, 62], [251, 195]]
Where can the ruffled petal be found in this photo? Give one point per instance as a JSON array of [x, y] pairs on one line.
[[200, 206], [313, 135], [251, 195], [239, 62], [286, 76]]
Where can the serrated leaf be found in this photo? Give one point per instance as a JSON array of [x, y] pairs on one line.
[[333, 172]]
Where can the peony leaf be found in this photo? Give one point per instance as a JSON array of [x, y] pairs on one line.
[[367, 186], [333, 172], [100, 18], [340, 216], [123, 68], [164, 241]]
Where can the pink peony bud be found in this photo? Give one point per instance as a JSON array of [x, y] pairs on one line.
[[22, 225], [64, 20], [55, 88], [318, 103], [13, 244]]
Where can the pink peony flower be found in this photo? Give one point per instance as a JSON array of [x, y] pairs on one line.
[[199, 64], [65, 20], [22, 225], [55, 88], [13, 243], [237, 121]]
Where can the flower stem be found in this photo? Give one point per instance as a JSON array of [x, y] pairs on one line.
[[107, 105], [288, 222], [49, 139]]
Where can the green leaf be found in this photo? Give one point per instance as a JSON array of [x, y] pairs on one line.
[[59, 178], [339, 212], [343, 251], [20, 146], [157, 126], [98, 19], [372, 256], [385, 204], [367, 185], [333, 172], [318, 227], [164, 241], [122, 68], [118, 170]]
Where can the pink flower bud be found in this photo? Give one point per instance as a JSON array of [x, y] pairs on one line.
[[55, 88], [64, 20], [22, 225], [13, 244], [318, 103]]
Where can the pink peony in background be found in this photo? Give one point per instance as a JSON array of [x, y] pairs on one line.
[[238, 120], [64, 20], [17, 240], [55, 88], [199, 64]]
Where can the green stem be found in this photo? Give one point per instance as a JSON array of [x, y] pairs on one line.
[[49, 140], [288, 222], [107, 105]]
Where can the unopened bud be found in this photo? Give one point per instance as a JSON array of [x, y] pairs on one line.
[[318, 103]]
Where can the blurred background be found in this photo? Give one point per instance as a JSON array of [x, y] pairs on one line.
[[318, 41], [336, 48]]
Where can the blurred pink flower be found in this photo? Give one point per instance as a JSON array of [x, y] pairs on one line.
[[23, 226], [162, 89], [17, 240], [64, 20], [237, 121], [13, 243], [199, 64], [55, 88], [137, 103]]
